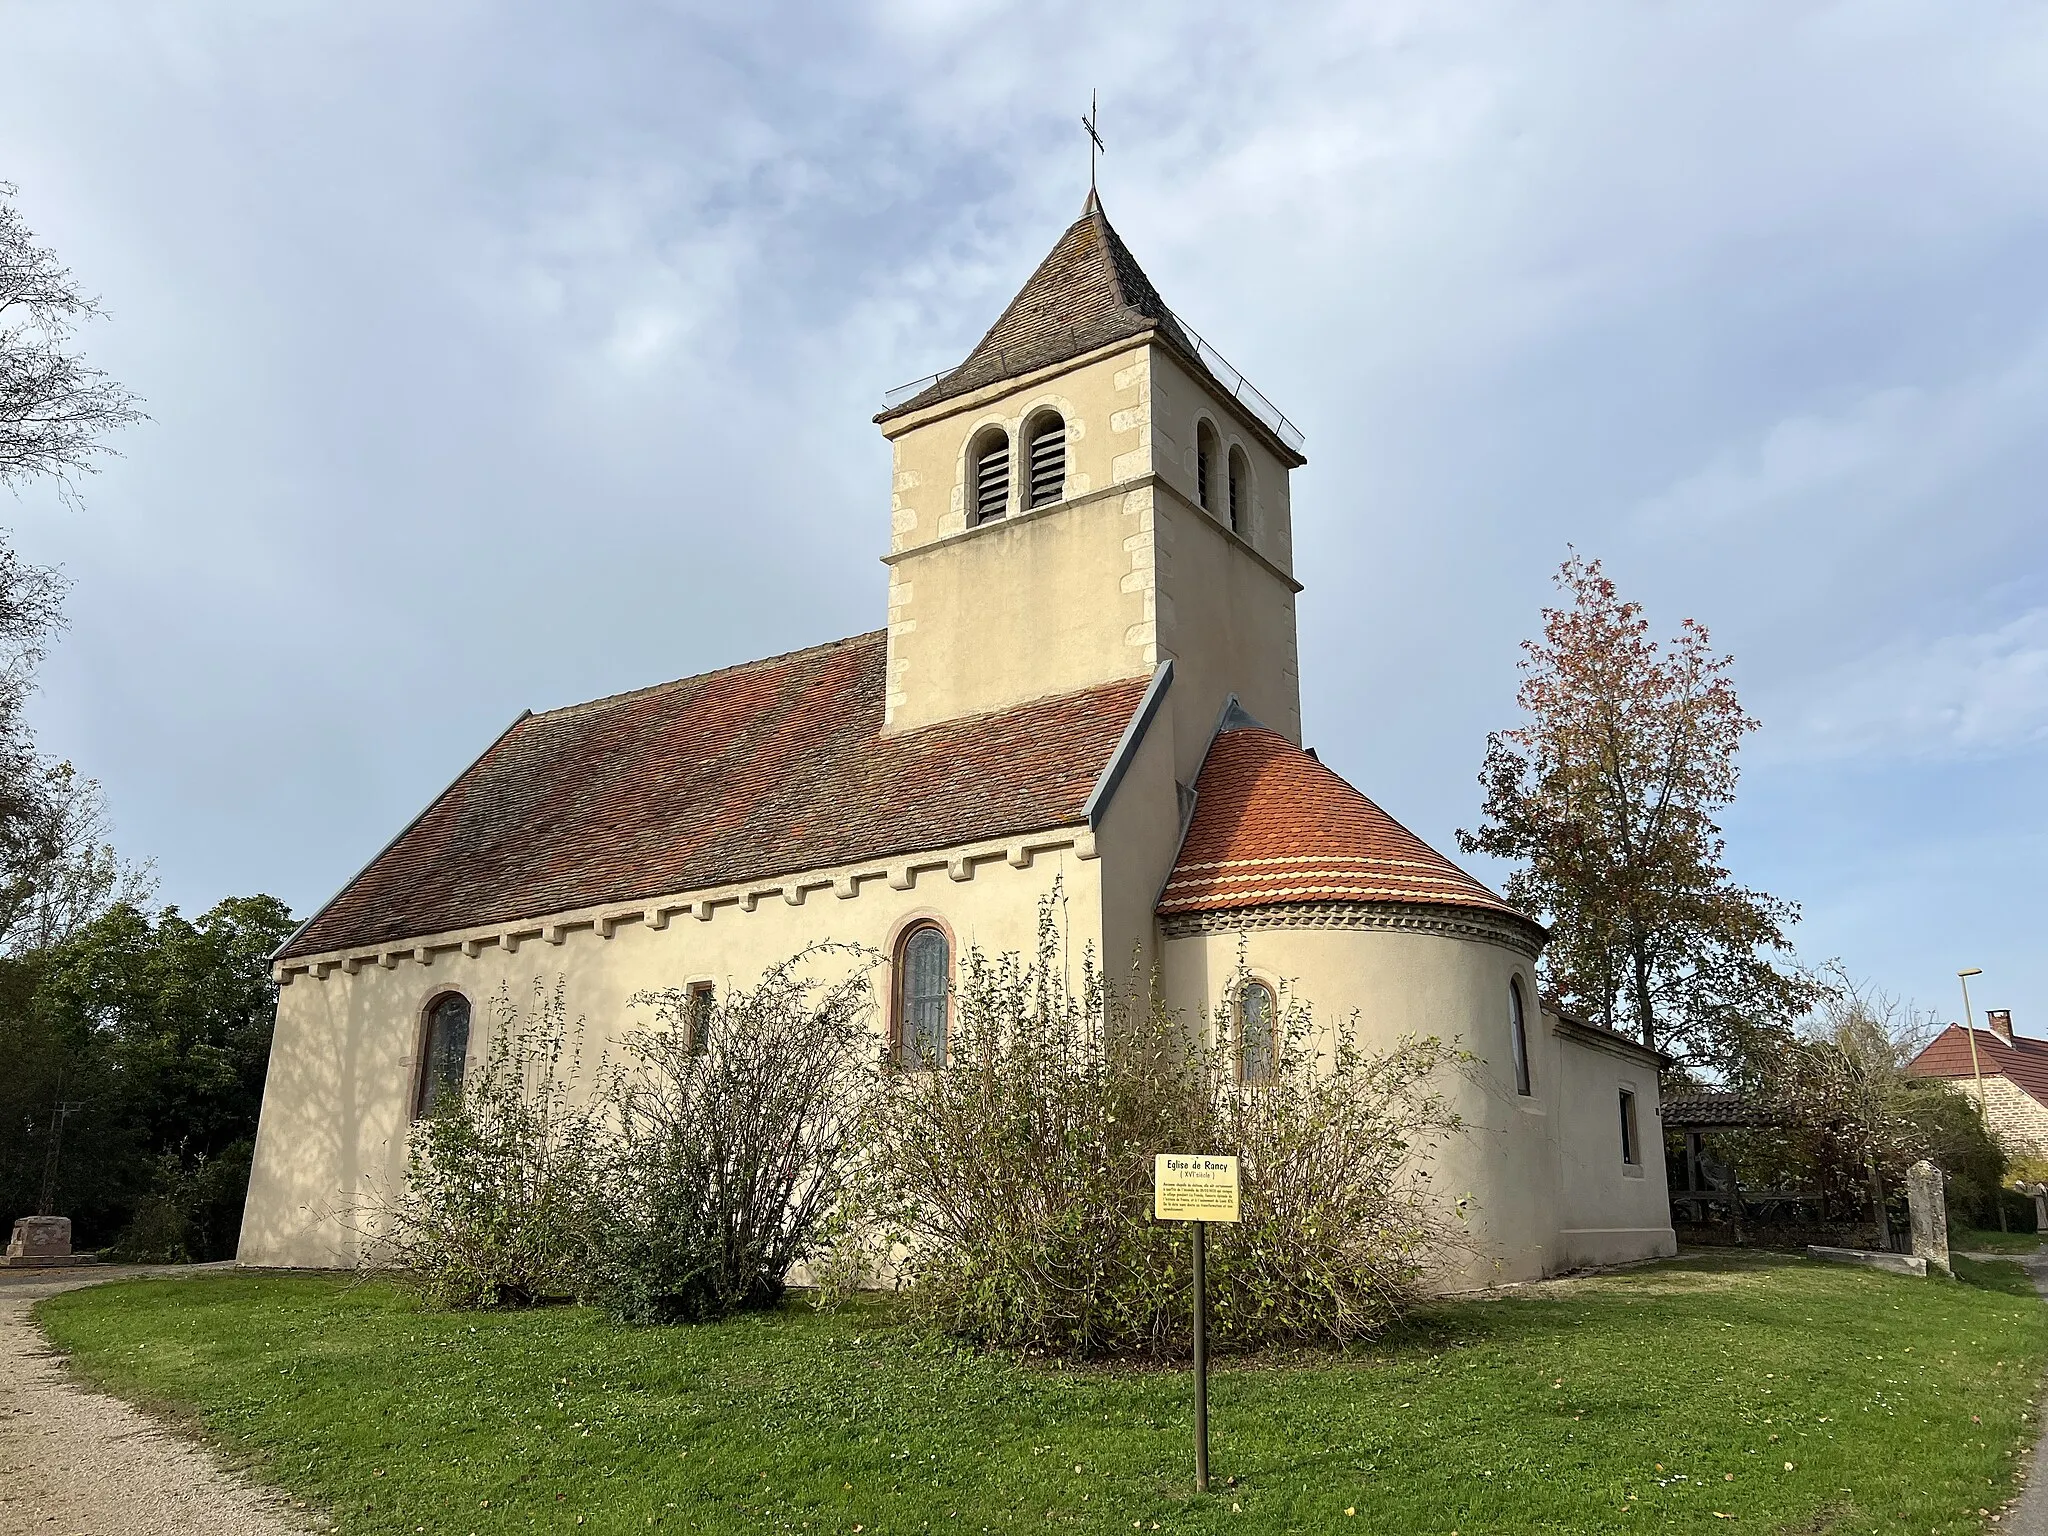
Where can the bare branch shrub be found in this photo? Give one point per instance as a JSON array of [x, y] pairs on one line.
[[730, 1128], [1009, 1191], [500, 1187]]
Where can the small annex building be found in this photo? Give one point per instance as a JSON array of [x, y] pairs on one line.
[[1088, 676], [2012, 1068]]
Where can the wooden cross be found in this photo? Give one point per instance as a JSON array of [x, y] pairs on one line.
[[1095, 143]]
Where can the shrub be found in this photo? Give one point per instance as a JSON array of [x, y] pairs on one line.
[[502, 1182], [1009, 1191], [730, 1140]]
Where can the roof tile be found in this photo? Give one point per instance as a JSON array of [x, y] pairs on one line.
[[752, 772], [1273, 825]]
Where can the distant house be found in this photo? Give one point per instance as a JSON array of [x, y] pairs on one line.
[[2014, 1071]]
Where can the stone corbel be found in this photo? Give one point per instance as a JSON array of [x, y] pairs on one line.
[[474, 947], [701, 910], [1019, 856], [1084, 846], [655, 918], [846, 887], [554, 933], [389, 958], [902, 877], [424, 955], [960, 867]]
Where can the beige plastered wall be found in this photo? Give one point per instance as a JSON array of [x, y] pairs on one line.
[[1528, 1172], [1610, 1212], [1125, 570], [344, 1059]]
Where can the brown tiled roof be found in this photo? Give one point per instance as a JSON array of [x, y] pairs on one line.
[[1701, 1109], [1272, 825], [756, 771], [2025, 1061], [1087, 293]]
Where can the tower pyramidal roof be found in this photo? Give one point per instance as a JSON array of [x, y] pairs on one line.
[[1089, 292]]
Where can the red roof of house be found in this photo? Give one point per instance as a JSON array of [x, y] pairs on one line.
[[749, 773], [2025, 1061], [1273, 826]]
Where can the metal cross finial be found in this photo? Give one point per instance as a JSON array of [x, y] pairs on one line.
[[1095, 144]]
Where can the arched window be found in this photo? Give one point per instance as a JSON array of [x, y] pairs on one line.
[[923, 969], [1048, 449], [1240, 492], [1205, 466], [990, 469], [1257, 1024], [1518, 1023], [444, 1051]]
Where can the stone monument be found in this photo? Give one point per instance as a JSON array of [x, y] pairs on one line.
[[1929, 1208], [41, 1242]]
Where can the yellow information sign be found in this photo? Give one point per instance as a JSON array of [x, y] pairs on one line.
[[1194, 1186]]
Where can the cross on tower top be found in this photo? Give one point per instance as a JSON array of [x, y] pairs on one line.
[[1095, 144]]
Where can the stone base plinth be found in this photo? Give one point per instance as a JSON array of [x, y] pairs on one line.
[[45, 1260]]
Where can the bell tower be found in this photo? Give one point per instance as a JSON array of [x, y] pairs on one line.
[[1092, 492]]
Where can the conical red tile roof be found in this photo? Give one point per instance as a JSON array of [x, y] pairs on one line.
[[1273, 826]]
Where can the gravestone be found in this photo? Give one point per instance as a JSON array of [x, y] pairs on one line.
[[1929, 1208], [39, 1240], [2041, 1209]]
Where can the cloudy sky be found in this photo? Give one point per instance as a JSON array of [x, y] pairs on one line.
[[502, 356]]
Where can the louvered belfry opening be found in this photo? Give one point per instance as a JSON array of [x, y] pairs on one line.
[[991, 478], [1048, 460], [1236, 491], [1205, 461]]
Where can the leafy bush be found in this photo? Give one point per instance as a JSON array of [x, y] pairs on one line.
[[1008, 1191], [730, 1140], [502, 1182]]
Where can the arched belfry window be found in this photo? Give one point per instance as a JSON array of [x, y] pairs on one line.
[[1518, 1023], [989, 469], [1258, 1024], [923, 970], [1239, 492], [1048, 450], [444, 1051], [1205, 466]]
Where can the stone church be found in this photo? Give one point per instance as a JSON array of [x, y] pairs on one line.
[[1088, 676]]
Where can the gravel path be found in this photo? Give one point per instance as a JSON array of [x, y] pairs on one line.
[[76, 1463]]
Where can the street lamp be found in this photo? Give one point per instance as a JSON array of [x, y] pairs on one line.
[[1977, 1071]]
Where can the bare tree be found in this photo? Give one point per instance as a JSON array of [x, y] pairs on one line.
[[56, 411]]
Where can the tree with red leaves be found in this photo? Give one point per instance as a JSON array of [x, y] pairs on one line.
[[1608, 794]]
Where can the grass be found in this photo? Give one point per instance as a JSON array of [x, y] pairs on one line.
[[1973, 1240], [1781, 1394]]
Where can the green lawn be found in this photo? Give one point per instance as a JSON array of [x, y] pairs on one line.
[[1972, 1240], [1661, 1399]]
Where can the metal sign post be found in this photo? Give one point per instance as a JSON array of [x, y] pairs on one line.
[[1200, 1189]]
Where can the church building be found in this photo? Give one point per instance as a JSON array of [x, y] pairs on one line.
[[1089, 678]]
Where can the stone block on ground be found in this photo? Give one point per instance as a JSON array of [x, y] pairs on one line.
[[41, 1242], [1892, 1263]]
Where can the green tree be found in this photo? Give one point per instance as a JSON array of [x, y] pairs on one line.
[[158, 1030], [1608, 795]]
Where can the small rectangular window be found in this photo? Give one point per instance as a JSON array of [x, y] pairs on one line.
[[1631, 1145], [698, 1024]]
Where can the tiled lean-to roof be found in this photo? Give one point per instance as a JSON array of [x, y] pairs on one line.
[[1273, 826], [749, 773], [2024, 1060]]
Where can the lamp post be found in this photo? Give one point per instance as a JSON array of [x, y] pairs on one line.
[[1977, 1071]]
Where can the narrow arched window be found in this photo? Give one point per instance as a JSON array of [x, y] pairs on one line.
[[444, 1052], [1518, 1023], [1257, 1023], [922, 971], [1239, 491], [1048, 451], [991, 477], [1205, 466]]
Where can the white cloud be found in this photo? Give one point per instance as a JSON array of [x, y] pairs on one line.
[[1955, 696]]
